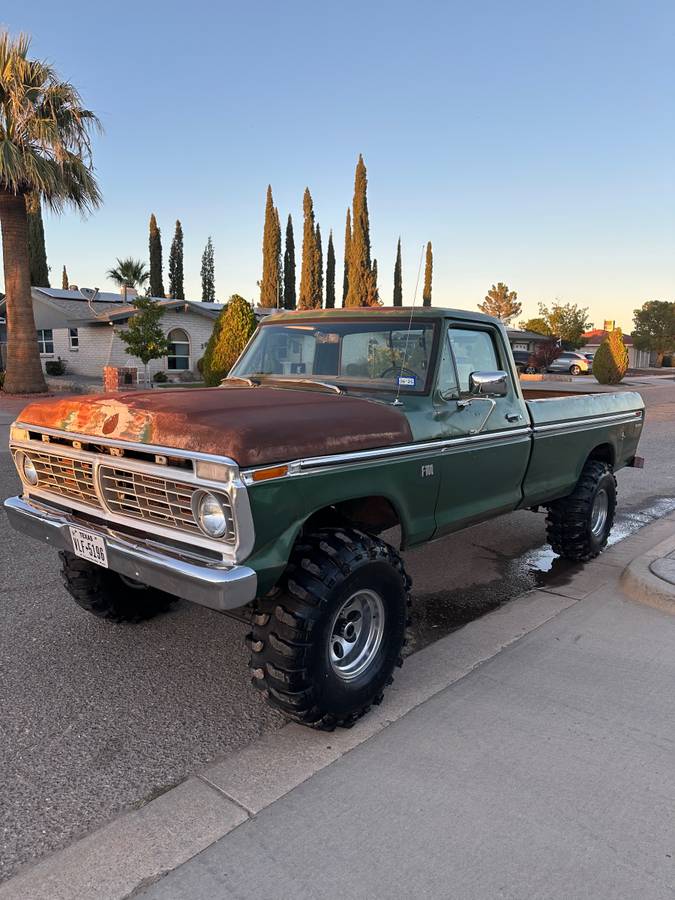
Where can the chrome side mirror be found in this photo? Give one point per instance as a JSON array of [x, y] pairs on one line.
[[489, 384]]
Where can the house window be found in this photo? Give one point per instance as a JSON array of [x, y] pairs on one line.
[[73, 339], [179, 349], [45, 338]]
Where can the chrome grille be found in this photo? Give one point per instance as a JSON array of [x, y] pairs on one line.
[[154, 499], [68, 477]]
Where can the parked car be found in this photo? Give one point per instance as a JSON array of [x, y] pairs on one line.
[[589, 356], [270, 494], [572, 362], [522, 359]]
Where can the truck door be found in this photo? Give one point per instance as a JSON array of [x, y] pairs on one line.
[[487, 440]]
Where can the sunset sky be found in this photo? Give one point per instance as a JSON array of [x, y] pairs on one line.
[[532, 143]]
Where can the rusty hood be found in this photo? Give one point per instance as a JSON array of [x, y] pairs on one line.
[[252, 425]]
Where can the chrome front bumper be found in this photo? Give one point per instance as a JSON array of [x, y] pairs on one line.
[[217, 587]]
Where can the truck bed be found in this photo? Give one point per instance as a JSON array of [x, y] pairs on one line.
[[568, 428]]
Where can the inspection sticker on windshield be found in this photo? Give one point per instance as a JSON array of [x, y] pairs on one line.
[[406, 380], [89, 546]]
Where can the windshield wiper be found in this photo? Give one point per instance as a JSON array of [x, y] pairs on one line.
[[303, 384], [237, 379]]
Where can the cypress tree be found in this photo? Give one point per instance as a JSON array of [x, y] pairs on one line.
[[362, 289], [280, 265], [289, 267], [233, 327], [374, 294], [64, 280], [309, 277], [208, 274], [428, 271], [270, 287], [37, 255], [348, 242], [176, 290], [398, 277], [319, 263], [155, 248], [330, 273]]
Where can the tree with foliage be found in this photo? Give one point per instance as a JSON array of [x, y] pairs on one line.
[[232, 330], [319, 262], [176, 289], [398, 277], [537, 325], [428, 274], [567, 321], [144, 336], [610, 362], [501, 303], [544, 354], [362, 289], [129, 273], [330, 272], [270, 284], [64, 280], [208, 274], [310, 296], [45, 148], [289, 267], [348, 242], [39, 270], [655, 328], [374, 296], [155, 252]]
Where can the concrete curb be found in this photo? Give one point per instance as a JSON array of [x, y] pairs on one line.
[[138, 847], [640, 582]]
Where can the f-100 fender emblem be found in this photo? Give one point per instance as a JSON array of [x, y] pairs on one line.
[[427, 470]]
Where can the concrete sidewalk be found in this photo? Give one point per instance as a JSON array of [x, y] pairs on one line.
[[547, 772]]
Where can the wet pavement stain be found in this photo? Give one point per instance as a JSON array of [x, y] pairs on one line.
[[436, 614]]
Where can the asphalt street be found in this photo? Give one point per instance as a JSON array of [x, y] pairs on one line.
[[97, 718]]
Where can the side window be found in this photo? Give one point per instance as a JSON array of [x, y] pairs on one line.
[[474, 352], [447, 377]]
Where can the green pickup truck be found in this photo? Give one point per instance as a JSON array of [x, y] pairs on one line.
[[271, 492]]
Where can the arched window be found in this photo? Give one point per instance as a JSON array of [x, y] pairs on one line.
[[179, 349]]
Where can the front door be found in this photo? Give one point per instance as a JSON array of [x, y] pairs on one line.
[[488, 441]]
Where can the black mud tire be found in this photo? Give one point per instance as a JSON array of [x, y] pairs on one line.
[[292, 632], [105, 595], [569, 521]]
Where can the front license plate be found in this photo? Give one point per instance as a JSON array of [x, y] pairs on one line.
[[89, 546]]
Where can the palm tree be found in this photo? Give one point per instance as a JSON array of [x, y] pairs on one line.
[[45, 147], [128, 273]]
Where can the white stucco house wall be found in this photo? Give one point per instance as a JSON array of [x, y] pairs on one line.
[[85, 335]]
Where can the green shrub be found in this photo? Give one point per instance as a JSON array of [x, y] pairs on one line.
[[160, 377], [234, 326], [55, 367], [611, 359], [200, 365]]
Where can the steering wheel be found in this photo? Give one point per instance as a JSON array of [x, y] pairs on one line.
[[391, 370]]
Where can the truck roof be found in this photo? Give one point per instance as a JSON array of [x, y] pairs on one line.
[[419, 312]]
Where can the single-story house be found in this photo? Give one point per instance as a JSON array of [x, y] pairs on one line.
[[525, 340], [637, 359], [84, 333]]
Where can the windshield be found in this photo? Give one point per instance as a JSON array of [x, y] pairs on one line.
[[382, 355]]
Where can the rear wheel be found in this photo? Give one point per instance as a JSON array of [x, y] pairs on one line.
[[575, 370], [325, 647], [578, 525], [107, 595]]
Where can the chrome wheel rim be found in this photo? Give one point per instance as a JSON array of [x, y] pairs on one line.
[[356, 634], [599, 512]]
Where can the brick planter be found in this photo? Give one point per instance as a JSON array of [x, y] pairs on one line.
[[116, 378]]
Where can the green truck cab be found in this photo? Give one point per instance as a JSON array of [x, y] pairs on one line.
[[271, 492]]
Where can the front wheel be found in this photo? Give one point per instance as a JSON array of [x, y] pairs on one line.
[[324, 649], [578, 525]]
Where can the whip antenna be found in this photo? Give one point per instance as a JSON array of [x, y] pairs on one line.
[[397, 402]]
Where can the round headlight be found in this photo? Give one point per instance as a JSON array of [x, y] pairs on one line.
[[28, 469], [211, 515]]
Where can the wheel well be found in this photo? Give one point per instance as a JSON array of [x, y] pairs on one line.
[[603, 453], [373, 514]]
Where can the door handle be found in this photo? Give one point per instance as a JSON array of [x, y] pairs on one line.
[[513, 417]]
